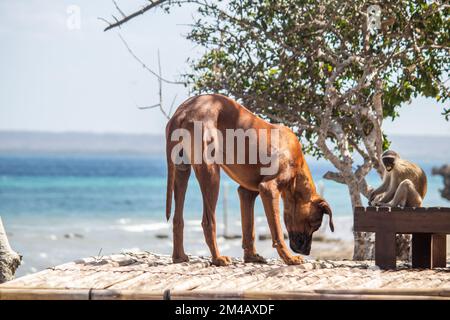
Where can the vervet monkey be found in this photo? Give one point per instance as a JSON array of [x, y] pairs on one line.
[[404, 183]]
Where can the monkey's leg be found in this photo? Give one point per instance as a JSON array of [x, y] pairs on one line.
[[406, 195], [182, 174], [247, 199], [208, 176]]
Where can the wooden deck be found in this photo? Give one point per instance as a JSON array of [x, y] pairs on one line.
[[149, 276]]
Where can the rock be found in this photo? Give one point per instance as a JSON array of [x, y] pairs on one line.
[[232, 236], [73, 235], [444, 171]]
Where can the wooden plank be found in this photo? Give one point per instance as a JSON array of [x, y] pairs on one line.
[[390, 291], [431, 221], [107, 294], [110, 294], [421, 250], [441, 209], [307, 295], [43, 294], [438, 251], [360, 209], [385, 255]]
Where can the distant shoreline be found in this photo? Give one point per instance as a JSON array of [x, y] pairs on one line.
[[414, 147], [39, 142]]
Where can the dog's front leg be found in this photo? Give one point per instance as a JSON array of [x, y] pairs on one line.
[[270, 196]]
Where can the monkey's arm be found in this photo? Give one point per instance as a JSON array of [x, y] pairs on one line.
[[382, 188], [387, 196]]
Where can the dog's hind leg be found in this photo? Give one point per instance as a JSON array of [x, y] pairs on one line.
[[208, 176], [247, 200], [182, 174]]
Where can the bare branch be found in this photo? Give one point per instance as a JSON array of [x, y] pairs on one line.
[[160, 89], [145, 66], [126, 18], [172, 104], [118, 9], [149, 107]]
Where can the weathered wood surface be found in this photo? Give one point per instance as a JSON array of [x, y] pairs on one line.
[[149, 276], [428, 227], [406, 220]]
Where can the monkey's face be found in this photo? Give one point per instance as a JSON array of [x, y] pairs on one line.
[[389, 162], [389, 157]]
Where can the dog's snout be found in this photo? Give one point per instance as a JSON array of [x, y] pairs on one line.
[[300, 242]]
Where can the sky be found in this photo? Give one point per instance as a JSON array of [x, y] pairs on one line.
[[60, 72]]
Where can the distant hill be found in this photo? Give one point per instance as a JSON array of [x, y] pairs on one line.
[[418, 148]]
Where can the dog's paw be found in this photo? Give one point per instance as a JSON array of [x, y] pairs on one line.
[[180, 259], [221, 261], [294, 260], [255, 258]]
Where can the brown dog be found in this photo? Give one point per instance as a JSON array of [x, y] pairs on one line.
[[303, 207]]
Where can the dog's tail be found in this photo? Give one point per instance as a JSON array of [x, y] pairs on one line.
[[170, 175]]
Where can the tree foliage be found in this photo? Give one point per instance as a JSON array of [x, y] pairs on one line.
[[278, 57]]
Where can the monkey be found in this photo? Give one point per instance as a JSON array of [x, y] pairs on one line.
[[404, 183]]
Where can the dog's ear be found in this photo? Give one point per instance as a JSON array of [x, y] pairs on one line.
[[326, 209]]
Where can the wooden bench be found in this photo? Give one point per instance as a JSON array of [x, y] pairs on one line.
[[429, 228]]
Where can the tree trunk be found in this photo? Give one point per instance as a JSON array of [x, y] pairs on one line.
[[9, 259], [363, 248]]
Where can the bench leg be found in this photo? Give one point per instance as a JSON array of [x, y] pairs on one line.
[[438, 251], [385, 255], [421, 250]]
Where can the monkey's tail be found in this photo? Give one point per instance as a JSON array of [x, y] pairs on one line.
[[170, 175]]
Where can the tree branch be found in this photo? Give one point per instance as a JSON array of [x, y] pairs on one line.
[[145, 66], [126, 18]]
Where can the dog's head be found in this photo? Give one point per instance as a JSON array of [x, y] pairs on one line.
[[303, 214]]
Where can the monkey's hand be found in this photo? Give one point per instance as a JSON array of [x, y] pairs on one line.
[[372, 196], [377, 201]]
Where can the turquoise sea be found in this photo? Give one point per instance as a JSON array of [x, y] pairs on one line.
[[58, 208]]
